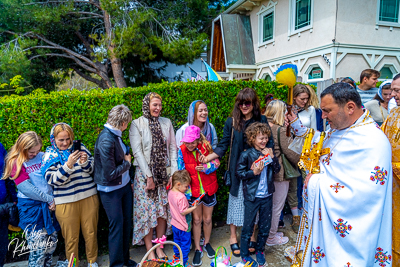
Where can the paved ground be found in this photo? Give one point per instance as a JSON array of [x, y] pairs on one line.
[[220, 237]]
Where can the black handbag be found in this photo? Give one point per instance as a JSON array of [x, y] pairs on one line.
[[290, 171], [227, 175]]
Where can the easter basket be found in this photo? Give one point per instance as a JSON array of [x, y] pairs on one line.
[[221, 258], [162, 263]]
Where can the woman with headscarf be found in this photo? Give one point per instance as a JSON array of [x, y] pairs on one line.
[[198, 115], [153, 145], [378, 106], [75, 193]]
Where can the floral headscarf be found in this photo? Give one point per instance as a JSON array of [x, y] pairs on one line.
[[207, 128], [158, 156]]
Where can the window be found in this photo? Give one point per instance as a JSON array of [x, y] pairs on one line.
[[302, 14], [388, 13], [315, 73], [386, 73], [267, 78], [268, 27], [266, 21], [389, 10]]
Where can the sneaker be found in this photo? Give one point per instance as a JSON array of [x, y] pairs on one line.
[[260, 258], [202, 241], [281, 224], [197, 258], [92, 264], [249, 260], [188, 264], [277, 240], [296, 224], [210, 251]]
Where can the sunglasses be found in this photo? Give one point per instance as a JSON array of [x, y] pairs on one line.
[[245, 103]]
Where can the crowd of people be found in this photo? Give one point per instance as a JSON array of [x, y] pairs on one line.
[[173, 190]]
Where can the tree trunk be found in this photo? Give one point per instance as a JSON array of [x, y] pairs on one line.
[[116, 64]]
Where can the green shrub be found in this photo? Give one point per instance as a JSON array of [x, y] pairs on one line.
[[86, 112]]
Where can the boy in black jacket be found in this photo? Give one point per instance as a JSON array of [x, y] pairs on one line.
[[258, 187]]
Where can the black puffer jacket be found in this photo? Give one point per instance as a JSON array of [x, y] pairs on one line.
[[109, 161], [249, 179]]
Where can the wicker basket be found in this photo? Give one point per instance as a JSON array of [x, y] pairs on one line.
[[156, 263]]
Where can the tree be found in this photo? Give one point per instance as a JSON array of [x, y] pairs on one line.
[[95, 37]]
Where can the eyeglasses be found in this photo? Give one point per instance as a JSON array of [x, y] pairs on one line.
[[245, 103]]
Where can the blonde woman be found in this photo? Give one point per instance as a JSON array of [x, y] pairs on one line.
[[35, 197], [275, 113], [75, 194], [314, 101]]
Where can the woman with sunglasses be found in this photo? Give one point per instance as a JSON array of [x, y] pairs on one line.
[[245, 112]]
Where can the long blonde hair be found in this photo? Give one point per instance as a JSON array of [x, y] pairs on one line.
[[276, 111], [313, 97], [19, 153]]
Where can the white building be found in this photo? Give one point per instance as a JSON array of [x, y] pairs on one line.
[[326, 39], [172, 70]]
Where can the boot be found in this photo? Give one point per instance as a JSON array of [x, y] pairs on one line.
[[296, 224]]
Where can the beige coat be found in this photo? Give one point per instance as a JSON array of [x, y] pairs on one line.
[[292, 156], [141, 141]]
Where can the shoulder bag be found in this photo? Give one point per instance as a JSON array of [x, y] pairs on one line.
[[227, 175], [290, 171]]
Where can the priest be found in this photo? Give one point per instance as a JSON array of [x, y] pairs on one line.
[[347, 217], [391, 128]]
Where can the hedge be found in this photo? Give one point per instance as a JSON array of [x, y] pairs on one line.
[[86, 112]]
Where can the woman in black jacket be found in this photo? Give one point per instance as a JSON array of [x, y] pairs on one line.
[[112, 161], [245, 112]]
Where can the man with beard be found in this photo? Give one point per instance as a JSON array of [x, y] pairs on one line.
[[391, 128], [347, 218]]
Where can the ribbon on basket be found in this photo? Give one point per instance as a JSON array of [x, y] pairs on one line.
[[160, 240]]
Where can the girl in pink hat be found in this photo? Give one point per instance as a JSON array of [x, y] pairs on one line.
[[203, 180]]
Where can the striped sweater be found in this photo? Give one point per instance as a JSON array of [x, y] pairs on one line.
[[71, 185]]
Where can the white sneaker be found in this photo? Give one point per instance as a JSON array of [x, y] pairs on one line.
[[94, 264]]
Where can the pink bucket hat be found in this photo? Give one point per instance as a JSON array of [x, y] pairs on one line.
[[192, 133]]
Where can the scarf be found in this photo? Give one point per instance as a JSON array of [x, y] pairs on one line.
[[54, 155], [158, 156], [381, 86], [207, 128]]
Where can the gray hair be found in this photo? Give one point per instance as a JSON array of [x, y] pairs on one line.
[[118, 115]]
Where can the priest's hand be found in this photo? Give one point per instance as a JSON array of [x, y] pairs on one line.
[[289, 117], [307, 179]]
